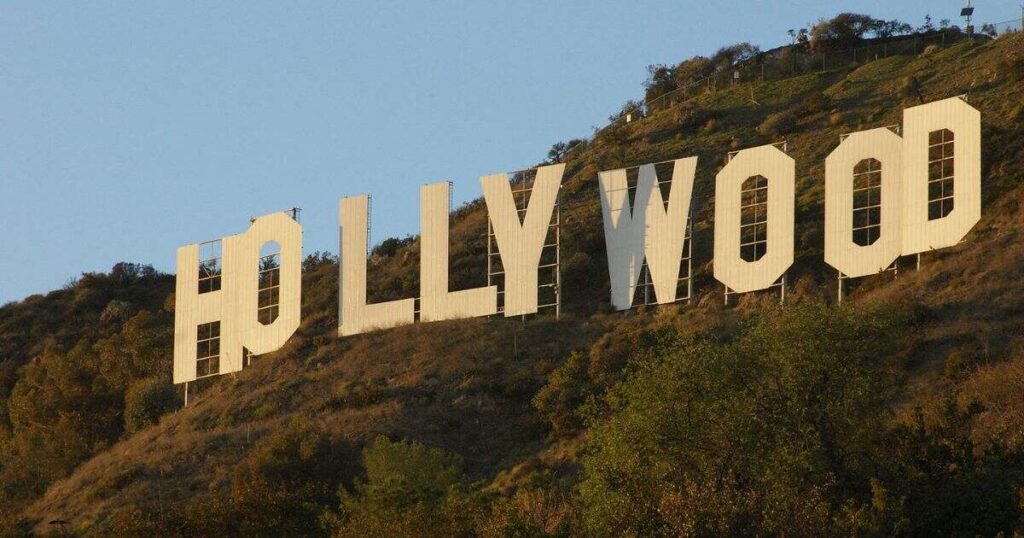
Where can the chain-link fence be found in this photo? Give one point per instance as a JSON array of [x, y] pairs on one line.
[[799, 59]]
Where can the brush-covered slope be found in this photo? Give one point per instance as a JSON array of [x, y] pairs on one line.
[[537, 421]]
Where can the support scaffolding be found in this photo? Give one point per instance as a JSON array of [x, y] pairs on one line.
[[780, 283], [895, 268]]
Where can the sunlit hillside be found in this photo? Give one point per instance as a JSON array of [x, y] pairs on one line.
[[898, 412]]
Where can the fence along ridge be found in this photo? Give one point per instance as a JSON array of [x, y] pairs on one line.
[[894, 46]]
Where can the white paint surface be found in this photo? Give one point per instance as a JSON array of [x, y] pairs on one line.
[[235, 304], [355, 315], [648, 229], [520, 242], [437, 303], [736, 273], [918, 233], [841, 251]]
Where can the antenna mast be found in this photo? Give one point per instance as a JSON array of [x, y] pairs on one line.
[[966, 13]]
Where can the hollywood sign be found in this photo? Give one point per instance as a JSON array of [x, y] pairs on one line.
[[886, 196]]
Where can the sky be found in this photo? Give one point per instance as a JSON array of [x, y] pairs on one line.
[[128, 129]]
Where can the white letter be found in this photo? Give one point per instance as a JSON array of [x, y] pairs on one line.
[[941, 151], [520, 242], [436, 302], [626, 229], [354, 315], [879, 154], [771, 239], [217, 298]]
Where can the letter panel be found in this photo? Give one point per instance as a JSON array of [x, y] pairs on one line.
[[666, 228], [624, 233], [841, 251], [729, 268], [354, 315], [919, 234], [437, 303], [520, 242], [284, 230]]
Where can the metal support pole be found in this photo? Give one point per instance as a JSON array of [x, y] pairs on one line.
[[840, 281], [918, 261], [689, 273], [646, 285], [782, 300], [558, 255], [186, 395]]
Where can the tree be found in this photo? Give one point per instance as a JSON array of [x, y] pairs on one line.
[[842, 31], [560, 150], [765, 435], [689, 71], [728, 57], [146, 401], [409, 489], [660, 81]]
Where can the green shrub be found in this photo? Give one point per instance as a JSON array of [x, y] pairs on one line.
[[409, 490], [814, 103], [751, 437], [567, 388], [528, 513], [1011, 67], [778, 124], [146, 401]]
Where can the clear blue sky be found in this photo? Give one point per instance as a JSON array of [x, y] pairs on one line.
[[130, 128]]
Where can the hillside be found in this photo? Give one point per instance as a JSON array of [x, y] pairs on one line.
[[554, 427]]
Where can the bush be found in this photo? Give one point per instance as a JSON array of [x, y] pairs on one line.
[[753, 437], [529, 513], [660, 81], [409, 490], [390, 246], [848, 29], [910, 88], [146, 401], [814, 103], [1011, 67], [694, 69], [567, 388], [778, 124]]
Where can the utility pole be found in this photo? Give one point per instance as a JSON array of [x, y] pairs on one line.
[[966, 13]]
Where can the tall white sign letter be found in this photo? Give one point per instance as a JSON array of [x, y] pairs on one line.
[[648, 229], [941, 174], [354, 315], [862, 184], [237, 296], [754, 197], [436, 302], [520, 241]]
